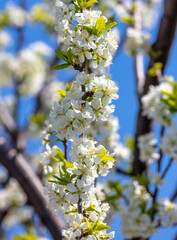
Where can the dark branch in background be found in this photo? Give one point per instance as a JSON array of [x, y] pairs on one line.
[[43, 94], [163, 44], [8, 121], [24, 174]]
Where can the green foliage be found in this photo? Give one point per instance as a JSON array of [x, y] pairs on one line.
[[99, 27], [152, 72], [84, 4], [152, 209], [104, 156], [62, 55], [62, 93], [4, 19], [130, 142], [39, 15], [155, 53], [91, 208], [96, 226], [59, 157], [26, 237], [128, 20], [68, 57], [90, 2], [143, 180], [38, 119], [68, 86], [110, 25], [61, 66], [143, 206], [116, 187], [64, 176]]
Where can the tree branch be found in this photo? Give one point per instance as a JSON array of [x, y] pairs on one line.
[[163, 44], [21, 170]]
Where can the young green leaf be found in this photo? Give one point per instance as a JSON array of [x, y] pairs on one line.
[[99, 26], [110, 25], [62, 55], [61, 66], [90, 2], [70, 56], [26, 237], [62, 93]]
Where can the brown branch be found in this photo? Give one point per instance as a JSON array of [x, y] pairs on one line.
[[3, 214], [174, 196], [8, 121], [163, 44], [24, 174], [123, 172]]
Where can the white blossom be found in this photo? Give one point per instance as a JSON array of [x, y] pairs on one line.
[[146, 144]]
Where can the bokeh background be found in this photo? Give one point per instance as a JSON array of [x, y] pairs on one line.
[[122, 72]]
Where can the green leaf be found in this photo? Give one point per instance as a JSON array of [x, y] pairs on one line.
[[155, 53], [64, 176], [26, 237], [61, 66], [143, 180], [152, 209], [90, 2], [90, 30], [128, 20], [130, 142], [4, 19], [62, 93], [143, 206], [104, 156], [152, 72], [70, 56], [110, 25], [158, 65], [80, 3], [38, 118], [117, 187], [91, 208], [60, 155], [99, 226], [62, 55], [68, 86], [99, 26]]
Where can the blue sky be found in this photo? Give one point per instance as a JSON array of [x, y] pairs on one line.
[[122, 72]]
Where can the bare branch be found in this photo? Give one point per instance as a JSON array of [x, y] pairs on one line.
[[21, 170], [8, 121]]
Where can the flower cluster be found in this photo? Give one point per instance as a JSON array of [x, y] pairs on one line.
[[136, 215], [106, 133], [69, 118], [29, 68], [167, 212], [5, 39], [14, 15], [169, 143], [146, 144], [90, 38], [136, 41], [88, 43], [9, 197], [139, 15], [154, 107]]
